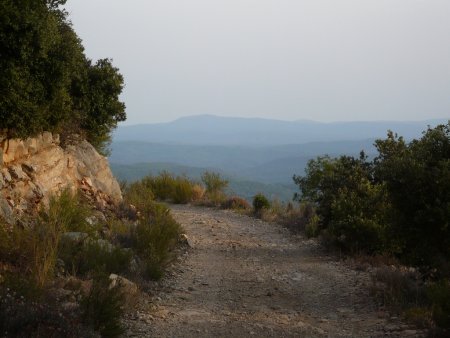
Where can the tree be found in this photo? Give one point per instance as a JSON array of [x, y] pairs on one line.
[[417, 177], [47, 82]]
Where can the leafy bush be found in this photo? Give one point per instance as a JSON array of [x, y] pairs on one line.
[[260, 202], [102, 307], [47, 82], [416, 176], [396, 204]]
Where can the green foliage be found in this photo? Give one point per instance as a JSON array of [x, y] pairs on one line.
[[358, 218], [213, 182], [155, 237], [156, 232], [260, 202], [164, 187], [33, 249], [397, 203], [139, 193], [183, 191], [47, 83], [439, 296], [68, 209], [93, 256], [102, 307], [417, 177], [312, 227]]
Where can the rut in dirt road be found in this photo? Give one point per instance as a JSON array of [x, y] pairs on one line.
[[244, 277]]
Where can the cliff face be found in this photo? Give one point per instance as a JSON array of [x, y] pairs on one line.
[[34, 169]]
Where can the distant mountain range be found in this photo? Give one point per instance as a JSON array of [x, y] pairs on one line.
[[216, 130], [257, 155]]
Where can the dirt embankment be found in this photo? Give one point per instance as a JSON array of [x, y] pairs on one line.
[[244, 277]]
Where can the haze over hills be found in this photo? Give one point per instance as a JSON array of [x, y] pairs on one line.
[[210, 129], [256, 155]]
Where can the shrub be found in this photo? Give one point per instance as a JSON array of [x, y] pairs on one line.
[[102, 307], [68, 209], [155, 237], [183, 191], [139, 193], [236, 203], [213, 182], [93, 256], [399, 289], [439, 296], [260, 202], [312, 227], [197, 192], [162, 186]]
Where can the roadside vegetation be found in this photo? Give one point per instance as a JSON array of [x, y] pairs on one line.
[[396, 205], [64, 271]]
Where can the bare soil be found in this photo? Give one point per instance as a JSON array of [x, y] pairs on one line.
[[243, 277]]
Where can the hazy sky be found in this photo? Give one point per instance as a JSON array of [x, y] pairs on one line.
[[324, 60]]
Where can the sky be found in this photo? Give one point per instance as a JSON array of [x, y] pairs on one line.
[[323, 60]]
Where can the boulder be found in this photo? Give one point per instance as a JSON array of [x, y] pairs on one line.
[[129, 289]]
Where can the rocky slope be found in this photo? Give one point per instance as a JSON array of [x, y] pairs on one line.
[[32, 170]]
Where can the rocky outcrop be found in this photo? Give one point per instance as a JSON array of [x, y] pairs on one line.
[[32, 170]]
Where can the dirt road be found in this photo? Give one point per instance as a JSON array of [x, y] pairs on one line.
[[244, 277]]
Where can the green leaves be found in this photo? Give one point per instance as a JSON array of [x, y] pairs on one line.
[[397, 203], [46, 81]]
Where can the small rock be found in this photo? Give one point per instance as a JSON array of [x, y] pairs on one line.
[[127, 287], [77, 237]]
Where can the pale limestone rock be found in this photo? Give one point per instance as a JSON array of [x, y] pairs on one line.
[[127, 287], [42, 168], [47, 139], [17, 172], [6, 175], [56, 139], [32, 145]]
